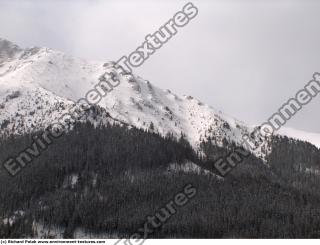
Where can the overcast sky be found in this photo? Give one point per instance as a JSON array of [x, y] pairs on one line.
[[243, 57]]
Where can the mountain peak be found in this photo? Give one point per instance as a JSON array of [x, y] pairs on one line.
[[36, 81], [8, 49]]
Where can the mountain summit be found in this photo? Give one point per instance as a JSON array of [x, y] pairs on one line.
[[8, 50], [38, 85]]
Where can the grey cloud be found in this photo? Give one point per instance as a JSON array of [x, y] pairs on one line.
[[243, 57]]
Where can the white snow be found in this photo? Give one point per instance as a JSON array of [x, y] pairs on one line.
[[49, 83], [46, 78], [190, 167], [312, 138], [312, 171], [11, 220], [43, 231], [71, 181]]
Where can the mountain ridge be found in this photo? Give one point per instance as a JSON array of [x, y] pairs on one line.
[[39, 84]]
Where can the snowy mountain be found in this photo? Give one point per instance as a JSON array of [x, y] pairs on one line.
[[8, 50], [78, 189], [38, 85], [312, 138]]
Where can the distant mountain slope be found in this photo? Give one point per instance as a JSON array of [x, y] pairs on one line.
[[38, 85], [312, 138]]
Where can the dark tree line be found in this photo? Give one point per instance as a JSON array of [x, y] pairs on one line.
[[108, 179]]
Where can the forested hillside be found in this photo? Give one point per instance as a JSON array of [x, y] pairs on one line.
[[108, 179]]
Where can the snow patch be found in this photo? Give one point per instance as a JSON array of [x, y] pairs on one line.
[[71, 181], [312, 138], [190, 167]]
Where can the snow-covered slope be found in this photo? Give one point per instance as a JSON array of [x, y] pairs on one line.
[[312, 138], [38, 85]]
